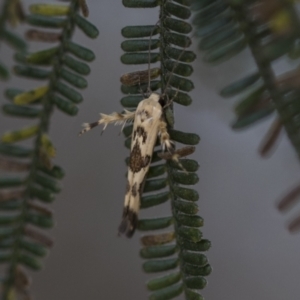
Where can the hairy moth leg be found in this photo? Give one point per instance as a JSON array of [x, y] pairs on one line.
[[117, 118], [168, 144], [177, 154], [164, 136]]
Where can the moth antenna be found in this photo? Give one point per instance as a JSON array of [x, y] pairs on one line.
[[141, 90], [149, 55], [115, 118], [88, 127], [173, 69]]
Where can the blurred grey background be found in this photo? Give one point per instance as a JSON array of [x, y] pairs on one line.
[[253, 255]]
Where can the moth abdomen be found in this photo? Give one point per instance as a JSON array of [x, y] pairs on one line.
[[129, 222]]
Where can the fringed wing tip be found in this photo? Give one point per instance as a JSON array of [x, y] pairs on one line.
[[128, 223]]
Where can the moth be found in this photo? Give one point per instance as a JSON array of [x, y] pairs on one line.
[[148, 124]]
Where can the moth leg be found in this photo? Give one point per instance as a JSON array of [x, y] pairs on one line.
[[117, 118], [164, 136], [170, 102], [141, 90], [175, 157], [177, 154]]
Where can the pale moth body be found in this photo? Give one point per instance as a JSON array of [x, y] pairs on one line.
[[148, 124]]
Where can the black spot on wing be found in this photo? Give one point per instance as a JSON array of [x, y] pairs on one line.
[[142, 133], [129, 222], [144, 115], [136, 160]]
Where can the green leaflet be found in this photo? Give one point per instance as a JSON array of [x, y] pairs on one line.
[[276, 49], [160, 265], [5, 257], [140, 3], [252, 118], [249, 101], [186, 207], [154, 185], [198, 282], [181, 98], [40, 221], [68, 92], [184, 138], [177, 39], [188, 220], [41, 194], [167, 293], [189, 233], [189, 165], [214, 25], [185, 193], [164, 281], [10, 182], [185, 178], [158, 251], [178, 68], [48, 183], [73, 79], [139, 45], [154, 85], [29, 262], [153, 200], [43, 57], [77, 66], [194, 258], [194, 270], [65, 106], [131, 101], [139, 31], [43, 21], [177, 10], [11, 205], [223, 52], [154, 224], [181, 83], [178, 25], [240, 85], [34, 248], [180, 55], [211, 12], [55, 172], [14, 40], [87, 27], [139, 58], [185, 2], [80, 51], [6, 232], [192, 295], [155, 171], [197, 5], [227, 33], [31, 72], [13, 150], [4, 73]]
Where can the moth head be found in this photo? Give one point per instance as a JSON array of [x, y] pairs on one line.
[[158, 98]]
